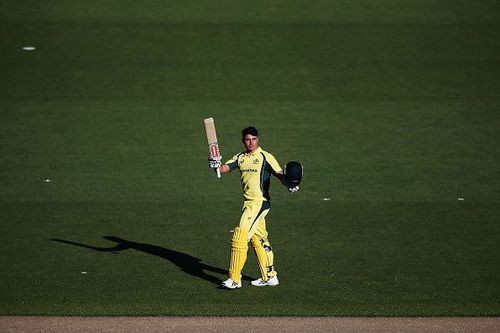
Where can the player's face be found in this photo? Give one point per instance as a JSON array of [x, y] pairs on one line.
[[251, 142]]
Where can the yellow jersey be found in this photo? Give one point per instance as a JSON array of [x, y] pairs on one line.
[[256, 169]]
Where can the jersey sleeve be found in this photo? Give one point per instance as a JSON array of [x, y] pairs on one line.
[[233, 162], [273, 164]]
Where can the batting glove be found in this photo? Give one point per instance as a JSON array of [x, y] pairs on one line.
[[292, 190], [214, 163]]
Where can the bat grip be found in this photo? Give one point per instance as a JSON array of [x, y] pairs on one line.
[[218, 173]]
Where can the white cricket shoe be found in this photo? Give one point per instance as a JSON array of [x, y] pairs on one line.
[[230, 284], [273, 281]]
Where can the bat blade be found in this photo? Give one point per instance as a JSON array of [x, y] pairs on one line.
[[213, 145]]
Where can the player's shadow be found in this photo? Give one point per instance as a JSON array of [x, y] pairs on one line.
[[187, 263]]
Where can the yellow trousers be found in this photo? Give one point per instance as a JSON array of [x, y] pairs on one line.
[[252, 228]]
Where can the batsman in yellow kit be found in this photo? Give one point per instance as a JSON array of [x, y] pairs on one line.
[[256, 167]]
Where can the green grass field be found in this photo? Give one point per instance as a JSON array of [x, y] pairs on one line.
[[108, 207]]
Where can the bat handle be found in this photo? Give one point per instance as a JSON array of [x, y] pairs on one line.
[[218, 173]]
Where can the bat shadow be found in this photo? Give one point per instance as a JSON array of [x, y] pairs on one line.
[[186, 263]]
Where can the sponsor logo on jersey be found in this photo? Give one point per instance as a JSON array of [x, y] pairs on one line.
[[249, 170]]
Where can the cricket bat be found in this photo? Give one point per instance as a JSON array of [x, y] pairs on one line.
[[213, 145]]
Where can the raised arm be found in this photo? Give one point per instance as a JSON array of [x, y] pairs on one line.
[[224, 168]]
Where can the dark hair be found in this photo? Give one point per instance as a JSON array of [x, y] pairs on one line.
[[249, 130]]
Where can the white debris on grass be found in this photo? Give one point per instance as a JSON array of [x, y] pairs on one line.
[[326, 199], [460, 199], [29, 48]]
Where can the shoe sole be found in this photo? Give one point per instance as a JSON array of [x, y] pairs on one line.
[[265, 285], [229, 288]]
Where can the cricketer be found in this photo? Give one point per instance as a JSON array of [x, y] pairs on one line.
[[256, 166]]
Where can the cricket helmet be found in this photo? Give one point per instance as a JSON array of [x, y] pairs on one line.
[[293, 173]]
